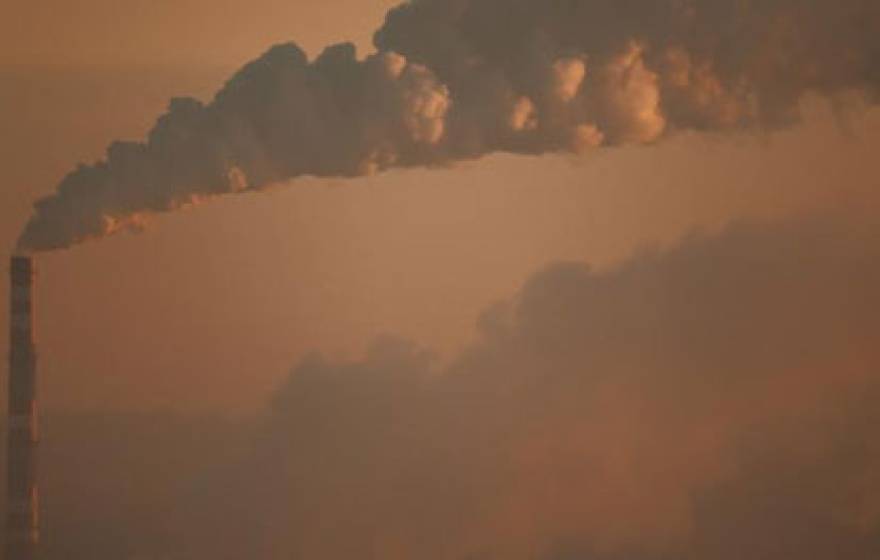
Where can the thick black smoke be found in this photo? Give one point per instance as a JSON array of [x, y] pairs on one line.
[[458, 79]]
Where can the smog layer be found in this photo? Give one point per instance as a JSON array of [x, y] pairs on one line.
[[712, 397]]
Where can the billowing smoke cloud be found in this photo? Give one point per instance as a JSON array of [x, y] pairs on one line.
[[716, 401], [458, 79]]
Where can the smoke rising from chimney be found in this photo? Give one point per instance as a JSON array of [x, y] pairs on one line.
[[456, 80]]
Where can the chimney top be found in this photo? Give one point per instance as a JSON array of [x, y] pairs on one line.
[[22, 265]]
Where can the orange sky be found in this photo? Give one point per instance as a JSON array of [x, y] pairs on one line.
[[210, 308], [177, 32]]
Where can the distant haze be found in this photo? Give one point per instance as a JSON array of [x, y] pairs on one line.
[[663, 350], [707, 402]]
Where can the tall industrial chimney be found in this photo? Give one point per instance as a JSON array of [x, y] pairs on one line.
[[22, 519]]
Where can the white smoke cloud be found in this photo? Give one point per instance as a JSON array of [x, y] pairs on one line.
[[523, 115], [568, 76], [629, 99]]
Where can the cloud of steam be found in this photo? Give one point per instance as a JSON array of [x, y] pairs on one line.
[[460, 79], [716, 401]]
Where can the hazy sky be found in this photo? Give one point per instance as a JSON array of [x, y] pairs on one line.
[[191, 33], [229, 295], [654, 352]]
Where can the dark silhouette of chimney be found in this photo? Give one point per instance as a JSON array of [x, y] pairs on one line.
[[22, 517]]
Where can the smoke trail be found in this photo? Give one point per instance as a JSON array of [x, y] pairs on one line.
[[458, 79]]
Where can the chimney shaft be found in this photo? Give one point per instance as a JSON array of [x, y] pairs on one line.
[[22, 519]]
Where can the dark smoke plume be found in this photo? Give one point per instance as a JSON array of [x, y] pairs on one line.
[[458, 79]]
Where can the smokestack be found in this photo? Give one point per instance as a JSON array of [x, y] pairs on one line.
[[22, 519]]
